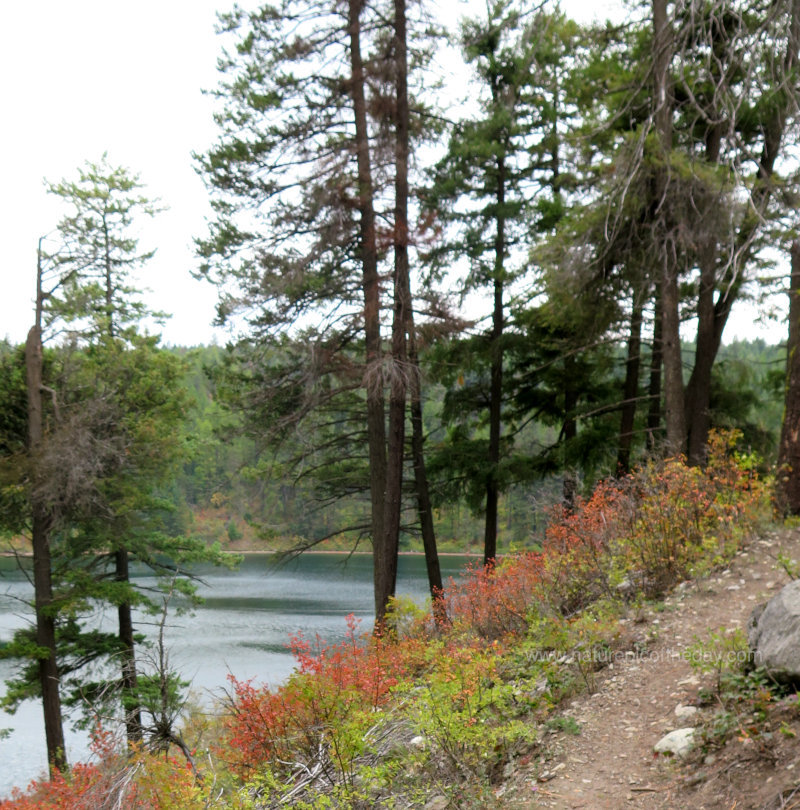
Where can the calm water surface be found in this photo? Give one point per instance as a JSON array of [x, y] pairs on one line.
[[242, 629]]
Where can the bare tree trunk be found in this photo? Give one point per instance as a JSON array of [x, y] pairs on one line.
[[130, 699], [42, 566], [698, 391], [386, 577], [788, 489], [424, 507], [630, 390], [654, 386], [496, 373], [569, 431], [670, 298], [376, 424]]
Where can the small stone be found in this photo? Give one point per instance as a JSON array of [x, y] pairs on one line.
[[677, 743], [695, 779], [733, 588], [438, 803], [685, 712], [710, 759]]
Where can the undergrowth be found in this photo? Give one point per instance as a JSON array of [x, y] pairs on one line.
[[445, 709]]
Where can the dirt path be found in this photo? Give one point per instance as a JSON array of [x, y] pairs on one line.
[[611, 764]]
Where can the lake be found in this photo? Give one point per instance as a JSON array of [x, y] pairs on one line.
[[242, 628]]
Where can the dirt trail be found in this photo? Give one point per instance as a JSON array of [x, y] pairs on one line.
[[611, 764]]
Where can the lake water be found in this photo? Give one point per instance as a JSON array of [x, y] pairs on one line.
[[242, 628]]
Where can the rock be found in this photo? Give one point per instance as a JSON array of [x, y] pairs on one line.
[[685, 712], [625, 588], [677, 743], [774, 634], [695, 779], [438, 803], [417, 742]]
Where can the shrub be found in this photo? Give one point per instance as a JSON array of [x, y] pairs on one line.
[[495, 600]]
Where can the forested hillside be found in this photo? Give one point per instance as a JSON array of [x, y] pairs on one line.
[[234, 490]]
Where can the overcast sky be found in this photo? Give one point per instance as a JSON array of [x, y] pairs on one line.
[[86, 76], [82, 77]]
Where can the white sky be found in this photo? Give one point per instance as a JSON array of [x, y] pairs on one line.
[[86, 76], [82, 77]]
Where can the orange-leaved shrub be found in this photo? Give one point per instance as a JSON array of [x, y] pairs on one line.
[[494, 601], [316, 715], [641, 533], [682, 519], [137, 780]]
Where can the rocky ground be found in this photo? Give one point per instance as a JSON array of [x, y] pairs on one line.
[[640, 697]]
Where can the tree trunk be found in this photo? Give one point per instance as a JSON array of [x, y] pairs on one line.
[[569, 432], [42, 576], [496, 374], [373, 377], [698, 391], [128, 678], [386, 577], [424, 507], [654, 386], [630, 390], [788, 489], [670, 298], [130, 699]]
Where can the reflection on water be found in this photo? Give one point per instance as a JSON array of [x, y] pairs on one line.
[[242, 629]]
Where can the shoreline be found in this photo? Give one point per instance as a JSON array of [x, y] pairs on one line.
[[246, 552]]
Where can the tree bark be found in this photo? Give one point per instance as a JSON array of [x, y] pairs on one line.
[[654, 386], [42, 566], [630, 390], [670, 298], [496, 373], [569, 432], [698, 391], [373, 378], [788, 488], [424, 507], [386, 577], [130, 699]]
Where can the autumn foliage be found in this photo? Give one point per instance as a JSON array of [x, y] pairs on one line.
[[137, 781], [454, 682]]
